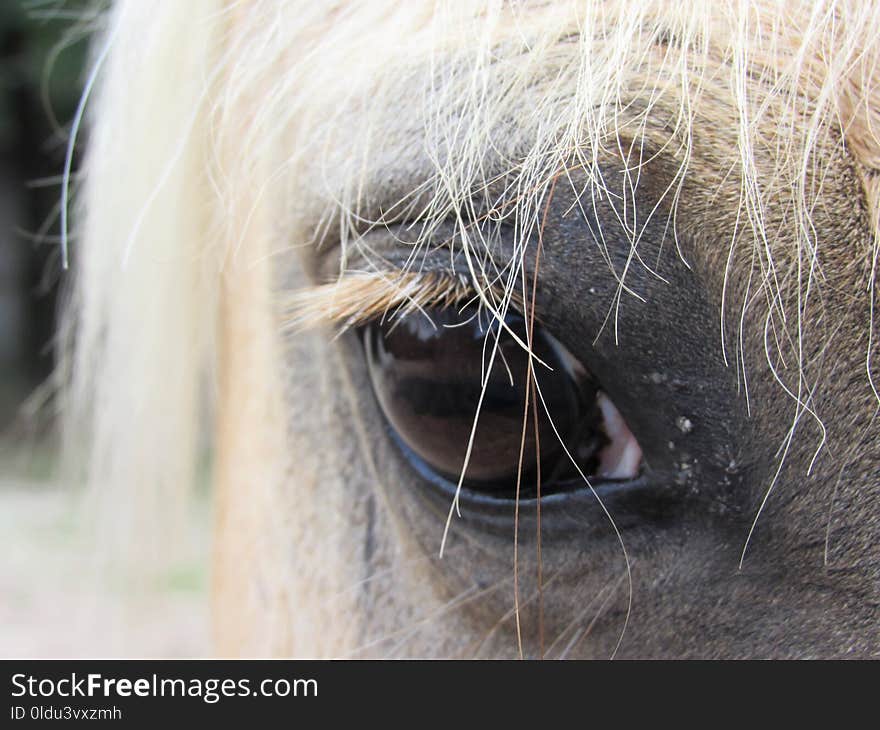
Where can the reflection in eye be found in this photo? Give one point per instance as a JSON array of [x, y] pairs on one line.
[[428, 376]]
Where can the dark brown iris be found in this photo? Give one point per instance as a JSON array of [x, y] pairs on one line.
[[429, 374]]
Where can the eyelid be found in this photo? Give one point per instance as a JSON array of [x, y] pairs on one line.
[[360, 297]]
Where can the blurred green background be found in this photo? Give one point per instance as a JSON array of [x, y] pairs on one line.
[[43, 54]]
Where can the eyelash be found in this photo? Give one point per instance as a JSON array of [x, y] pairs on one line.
[[360, 298]]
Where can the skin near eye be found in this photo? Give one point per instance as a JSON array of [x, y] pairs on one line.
[[539, 330]]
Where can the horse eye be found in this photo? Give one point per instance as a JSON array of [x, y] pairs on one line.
[[429, 372]]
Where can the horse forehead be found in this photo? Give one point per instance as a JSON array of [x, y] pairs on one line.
[[368, 111]]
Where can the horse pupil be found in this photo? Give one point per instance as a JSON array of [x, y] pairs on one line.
[[427, 375]]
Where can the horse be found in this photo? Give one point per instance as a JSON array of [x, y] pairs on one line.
[[535, 329]]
